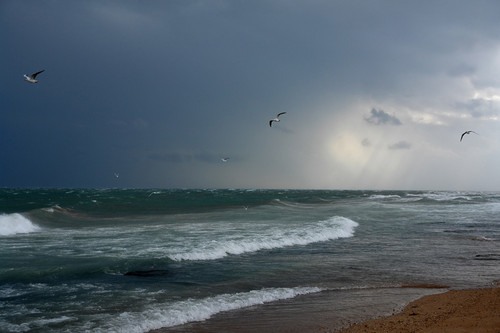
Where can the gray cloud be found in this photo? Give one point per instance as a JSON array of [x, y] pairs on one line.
[[399, 145], [480, 107], [366, 142], [380, 117], [462, 70]]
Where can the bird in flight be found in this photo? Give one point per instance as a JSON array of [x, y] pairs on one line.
[[277, 119], [466, 132], [32, 78], [224, 159]]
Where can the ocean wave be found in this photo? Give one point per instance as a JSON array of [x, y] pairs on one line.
[[384, 196], [15, 223], [49, 321], [395, 198], [193, 310], [333, 228], [426, 197], [442, 196]]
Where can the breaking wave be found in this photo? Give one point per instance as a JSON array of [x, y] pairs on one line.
[[11, 224], [333, 228], [193, 310], [438, 197]]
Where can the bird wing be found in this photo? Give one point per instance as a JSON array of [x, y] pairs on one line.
[[279, 114], [271, 123], [467, 132], [35, 74]]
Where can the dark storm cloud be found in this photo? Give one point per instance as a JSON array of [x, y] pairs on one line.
[[400, 145], [127, 78], [176, 157], [462, 70], [170, 157], [380, 117]]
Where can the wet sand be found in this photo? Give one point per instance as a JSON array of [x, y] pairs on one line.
[[454, 311]]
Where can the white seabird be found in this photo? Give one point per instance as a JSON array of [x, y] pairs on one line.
[[224, 159], [277, 119], [466, 132], [32, 78]]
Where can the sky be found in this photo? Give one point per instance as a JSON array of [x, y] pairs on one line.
[[376, 92]]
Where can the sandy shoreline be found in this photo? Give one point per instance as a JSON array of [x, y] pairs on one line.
[[322, 312], [455, 311], [475, 310]]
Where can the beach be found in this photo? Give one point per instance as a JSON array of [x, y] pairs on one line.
[[474, 310]]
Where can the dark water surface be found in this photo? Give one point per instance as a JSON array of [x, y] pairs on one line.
[[139, 260]]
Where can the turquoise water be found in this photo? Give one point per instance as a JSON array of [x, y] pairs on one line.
[[138, 260]]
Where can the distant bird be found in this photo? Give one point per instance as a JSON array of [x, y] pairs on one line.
[[466, 132], [277, 119], [117, 175], [224, 159], [32, 78]]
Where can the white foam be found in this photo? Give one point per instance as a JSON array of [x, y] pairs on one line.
[[384, 197], [410, 197], [11, 224], [48, 321], [333, 228], [442, 196], [8, 327], [193, 310]]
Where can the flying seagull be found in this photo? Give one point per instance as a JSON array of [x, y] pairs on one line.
[[224, 159], [32, 78], [466, 132], [277, 119]]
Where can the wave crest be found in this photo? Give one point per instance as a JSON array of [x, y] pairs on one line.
[[193, 310], [11, 224], [333, 228]]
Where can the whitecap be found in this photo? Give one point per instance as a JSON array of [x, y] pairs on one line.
[[193, 310], [384, 196], [331, 229], [11, 224], [56, 320]]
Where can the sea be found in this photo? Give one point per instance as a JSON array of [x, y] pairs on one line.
[[234, 260]]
